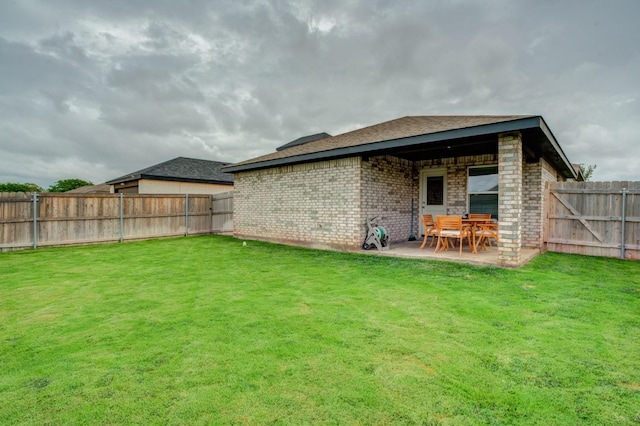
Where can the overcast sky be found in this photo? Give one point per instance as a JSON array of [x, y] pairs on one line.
[[95, 89]]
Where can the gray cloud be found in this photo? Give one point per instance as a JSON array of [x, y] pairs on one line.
[[97, 89]]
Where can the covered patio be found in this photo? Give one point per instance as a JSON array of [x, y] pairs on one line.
[[321, 192]]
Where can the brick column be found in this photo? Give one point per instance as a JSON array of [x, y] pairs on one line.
[[510, 198]]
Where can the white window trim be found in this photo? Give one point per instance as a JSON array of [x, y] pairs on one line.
[[478, 192]]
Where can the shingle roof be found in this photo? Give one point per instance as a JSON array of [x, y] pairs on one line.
[[423, 137], [101, 188], [182, 169], [390, 130], [304, 139]]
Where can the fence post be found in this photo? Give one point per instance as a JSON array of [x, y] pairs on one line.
[[34, 197], [211, 214], [121, 217], [624, 219], [186, 215]]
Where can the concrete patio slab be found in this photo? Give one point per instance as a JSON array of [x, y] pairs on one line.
[[411, 249]]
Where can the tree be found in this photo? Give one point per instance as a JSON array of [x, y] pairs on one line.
[[587, 171], [65, 185], [19, 187]]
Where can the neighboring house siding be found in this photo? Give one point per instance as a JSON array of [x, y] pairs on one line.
[[315, 204], [151, 186], [387, 191]]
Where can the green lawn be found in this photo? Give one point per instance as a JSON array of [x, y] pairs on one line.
[[202, 330]]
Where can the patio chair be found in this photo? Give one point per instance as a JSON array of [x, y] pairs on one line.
[[485, 216], [451, 227], [476, 221], [485, 233], [429, 229]]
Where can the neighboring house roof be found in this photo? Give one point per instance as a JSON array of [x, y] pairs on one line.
[[304, 139], [421, 137], [101, 188], [183, 170], [578, 170]]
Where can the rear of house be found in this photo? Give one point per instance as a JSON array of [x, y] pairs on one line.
[[321, 192]]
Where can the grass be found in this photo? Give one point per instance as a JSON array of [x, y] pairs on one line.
[[202, 330]]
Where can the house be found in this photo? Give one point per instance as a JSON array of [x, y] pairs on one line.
[[321, 192], [101, 188], [178, 176]]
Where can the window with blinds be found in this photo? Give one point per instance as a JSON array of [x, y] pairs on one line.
[[482, 190]]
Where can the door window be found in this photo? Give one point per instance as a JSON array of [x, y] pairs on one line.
[[435, 190]]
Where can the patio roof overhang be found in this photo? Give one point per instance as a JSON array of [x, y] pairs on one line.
[[538, 142]]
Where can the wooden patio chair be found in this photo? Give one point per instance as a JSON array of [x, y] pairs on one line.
[[485, 216], [451, 227], [477, 230], [429, 229], [485, 233]]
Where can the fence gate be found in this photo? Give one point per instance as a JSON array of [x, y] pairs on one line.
[[222, 206], [593, 218]]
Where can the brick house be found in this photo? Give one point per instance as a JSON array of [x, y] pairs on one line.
[[319, 190]]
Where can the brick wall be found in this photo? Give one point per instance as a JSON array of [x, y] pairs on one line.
[[387, 187], [326, 204], [457, 202], [510, 170], [534, 178], [532, 204], [314, 204], [549, 174]]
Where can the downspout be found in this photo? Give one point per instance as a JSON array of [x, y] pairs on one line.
[[412, 237]]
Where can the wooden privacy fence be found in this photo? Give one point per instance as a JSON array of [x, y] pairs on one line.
[[222, 211], [593, 218], [52, 219]]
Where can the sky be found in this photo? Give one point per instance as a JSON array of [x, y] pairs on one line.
[[96, 89]]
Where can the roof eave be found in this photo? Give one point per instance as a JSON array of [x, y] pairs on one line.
[[465, 132], [168, 178], [569, 170], [123, 179]]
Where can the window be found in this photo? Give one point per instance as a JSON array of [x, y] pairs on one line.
[[435, 190], [482, 190]]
